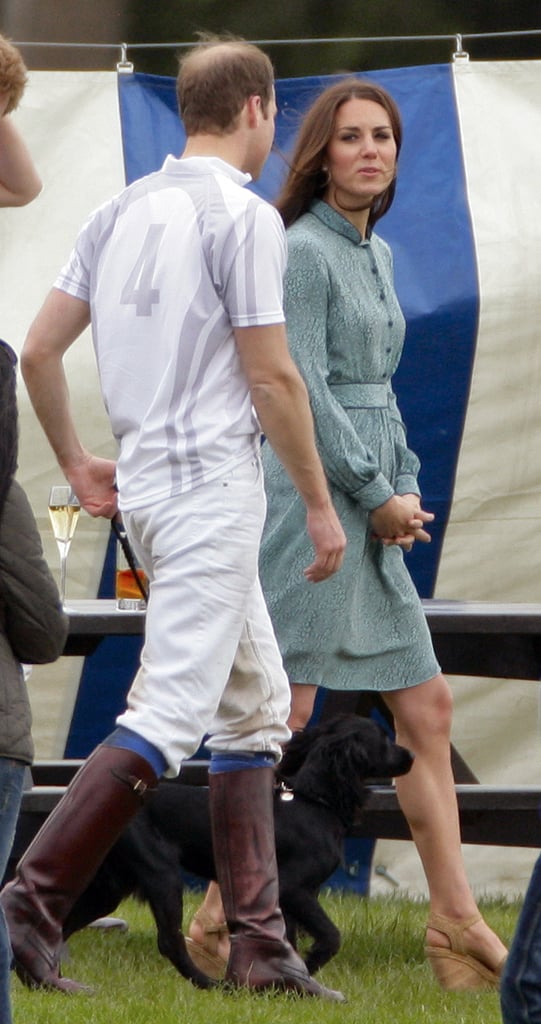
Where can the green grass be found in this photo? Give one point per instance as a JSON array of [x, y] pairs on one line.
[[380, 968]]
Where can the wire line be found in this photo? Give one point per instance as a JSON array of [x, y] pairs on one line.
[[454, 37]]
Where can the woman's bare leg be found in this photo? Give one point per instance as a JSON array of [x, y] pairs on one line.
[[422, 716], [303, 696]]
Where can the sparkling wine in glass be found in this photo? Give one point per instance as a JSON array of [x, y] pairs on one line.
[[64, 509]]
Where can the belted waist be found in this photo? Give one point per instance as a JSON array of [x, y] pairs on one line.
[[361, 396]]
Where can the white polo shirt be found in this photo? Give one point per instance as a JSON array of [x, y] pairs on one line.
[[169, 267]]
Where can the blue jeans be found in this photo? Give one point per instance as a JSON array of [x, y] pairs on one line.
[[520, 991], [11, 788]]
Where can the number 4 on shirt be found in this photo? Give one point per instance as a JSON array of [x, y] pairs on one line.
[[138, 290]]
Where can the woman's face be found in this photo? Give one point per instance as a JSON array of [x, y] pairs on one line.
[[361, 155]]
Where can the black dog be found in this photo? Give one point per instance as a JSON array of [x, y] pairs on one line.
[[325, 768]]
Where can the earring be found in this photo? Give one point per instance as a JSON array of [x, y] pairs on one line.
[[327, 179]]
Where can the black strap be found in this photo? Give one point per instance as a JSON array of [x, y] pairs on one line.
[[125, 544]]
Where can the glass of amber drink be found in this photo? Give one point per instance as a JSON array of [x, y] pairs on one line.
[[130, 579]]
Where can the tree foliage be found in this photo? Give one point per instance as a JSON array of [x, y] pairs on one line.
[[310, 19], [392, 22]]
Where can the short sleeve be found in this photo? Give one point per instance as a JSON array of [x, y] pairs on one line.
[[253, 293]]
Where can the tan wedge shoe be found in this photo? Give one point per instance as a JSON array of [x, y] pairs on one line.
[[205, 954], [455, 969]]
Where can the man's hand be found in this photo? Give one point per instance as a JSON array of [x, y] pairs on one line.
[[329, 541], [93, 481]]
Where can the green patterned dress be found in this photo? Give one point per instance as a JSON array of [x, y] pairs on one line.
[[364, 628]]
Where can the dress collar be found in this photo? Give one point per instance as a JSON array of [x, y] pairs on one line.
[[334, 220]]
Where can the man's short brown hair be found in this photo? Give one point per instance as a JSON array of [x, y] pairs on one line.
[[13, 75], [216, 78]]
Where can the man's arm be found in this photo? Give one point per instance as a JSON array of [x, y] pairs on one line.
[[19, 180], [59, 323], [281, 401]]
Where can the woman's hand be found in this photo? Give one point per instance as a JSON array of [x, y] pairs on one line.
[[401, 520]]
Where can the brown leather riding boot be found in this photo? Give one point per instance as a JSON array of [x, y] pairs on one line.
[[64, 856], [241, 804]]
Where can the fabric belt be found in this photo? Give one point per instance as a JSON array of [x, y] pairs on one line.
[[361, 396]]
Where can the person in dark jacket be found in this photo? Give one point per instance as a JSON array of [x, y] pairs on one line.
[[33, 630]]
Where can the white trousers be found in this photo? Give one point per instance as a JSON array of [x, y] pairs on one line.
[[210, 662]]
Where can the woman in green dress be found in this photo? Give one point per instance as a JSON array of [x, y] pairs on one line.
[[364, 629]]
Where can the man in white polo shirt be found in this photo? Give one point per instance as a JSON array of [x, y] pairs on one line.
[[181, 278]]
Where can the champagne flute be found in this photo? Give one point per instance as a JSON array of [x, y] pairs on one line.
[[64, 509]]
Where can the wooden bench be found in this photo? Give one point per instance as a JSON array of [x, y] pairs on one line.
[[489, 815]]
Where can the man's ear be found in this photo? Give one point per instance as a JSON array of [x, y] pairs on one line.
[[253, 110]]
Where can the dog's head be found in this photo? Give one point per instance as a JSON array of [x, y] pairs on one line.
[[332, 762]]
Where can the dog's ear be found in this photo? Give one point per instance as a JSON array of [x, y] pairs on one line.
[[299, 747], [314, 777], [302, 742], [332, 774], [352, 766]]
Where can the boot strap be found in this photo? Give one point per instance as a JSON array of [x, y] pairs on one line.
[[137, 785]]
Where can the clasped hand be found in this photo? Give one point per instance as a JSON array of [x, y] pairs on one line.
[[401, 521]]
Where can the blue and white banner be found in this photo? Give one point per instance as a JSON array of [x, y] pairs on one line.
[[465, 230]]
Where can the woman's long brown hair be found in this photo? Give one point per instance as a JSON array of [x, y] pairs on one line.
[[306, 179]]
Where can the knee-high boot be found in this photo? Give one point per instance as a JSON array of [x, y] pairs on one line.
[[242, 815], [64, 856]]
